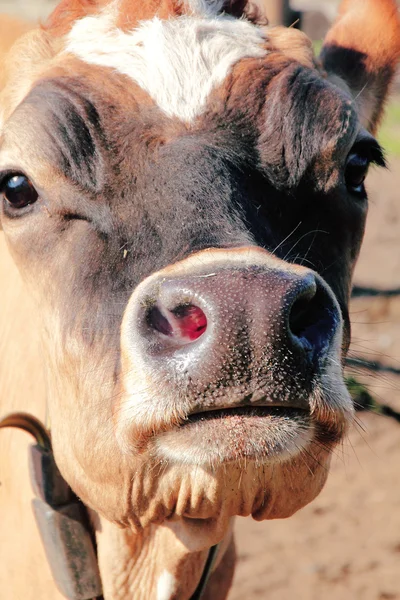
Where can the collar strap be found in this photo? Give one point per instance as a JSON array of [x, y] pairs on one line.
[[61, 518], [31, 425], [210, 562], [63, 521]]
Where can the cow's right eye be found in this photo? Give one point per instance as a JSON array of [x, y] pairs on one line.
[[356, 172], [18, 191]]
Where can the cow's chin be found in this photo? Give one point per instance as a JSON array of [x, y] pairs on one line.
[[267, 463], [200, 500]]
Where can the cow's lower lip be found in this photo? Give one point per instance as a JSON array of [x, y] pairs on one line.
[[244, 411], [231, 434]]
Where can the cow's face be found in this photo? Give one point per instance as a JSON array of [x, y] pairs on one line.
[[187, 217]]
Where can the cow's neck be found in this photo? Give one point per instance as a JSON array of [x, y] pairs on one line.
[[156, 564]]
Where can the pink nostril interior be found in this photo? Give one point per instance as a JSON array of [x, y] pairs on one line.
[[191, 320], [185, 323]]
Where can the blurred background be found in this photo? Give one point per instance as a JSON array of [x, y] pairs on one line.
[[346, 544]]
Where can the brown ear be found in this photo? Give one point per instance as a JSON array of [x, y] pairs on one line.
[[363, 49]]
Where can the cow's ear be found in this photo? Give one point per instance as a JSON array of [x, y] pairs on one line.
[[363, 48]]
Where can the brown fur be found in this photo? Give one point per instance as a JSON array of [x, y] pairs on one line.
[[68, 11], [372, 27], [133, 11], [293, 44]]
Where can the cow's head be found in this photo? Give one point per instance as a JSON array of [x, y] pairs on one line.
[[183, 194]]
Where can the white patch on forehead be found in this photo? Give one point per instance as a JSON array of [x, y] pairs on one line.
[[177, 61], [166, 586]]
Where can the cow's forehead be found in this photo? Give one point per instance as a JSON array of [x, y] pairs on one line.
[[205, 72], [273, 114], [177, 61], [176, 52]]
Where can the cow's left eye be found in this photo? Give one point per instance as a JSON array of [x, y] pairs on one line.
[[18, 191], [356, 172]]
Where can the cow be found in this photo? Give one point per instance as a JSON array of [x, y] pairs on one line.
[[183, 204]]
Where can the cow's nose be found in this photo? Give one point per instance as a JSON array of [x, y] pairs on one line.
[[304, 318], [233, 319]]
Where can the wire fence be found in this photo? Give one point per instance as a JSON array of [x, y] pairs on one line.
[[363, 399]]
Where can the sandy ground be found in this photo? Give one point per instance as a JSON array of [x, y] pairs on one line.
[[346, 544]]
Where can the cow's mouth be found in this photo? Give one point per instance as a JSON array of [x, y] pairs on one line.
[[238, 412], [261, 433]]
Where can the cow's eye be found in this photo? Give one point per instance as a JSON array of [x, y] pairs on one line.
[[356, 172], [18, 191]]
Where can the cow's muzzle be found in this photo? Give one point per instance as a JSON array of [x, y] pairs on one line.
[[223, 333]]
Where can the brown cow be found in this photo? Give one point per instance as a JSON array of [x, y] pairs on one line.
[[183, 195]]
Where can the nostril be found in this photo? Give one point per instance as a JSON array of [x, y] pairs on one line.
[[300, 317], [157, 321], [191, 320], [185, 323], [313, 320]]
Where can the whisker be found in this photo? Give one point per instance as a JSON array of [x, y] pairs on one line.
[[286, 238]]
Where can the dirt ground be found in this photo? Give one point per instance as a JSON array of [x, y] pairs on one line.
[[346, 544]]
